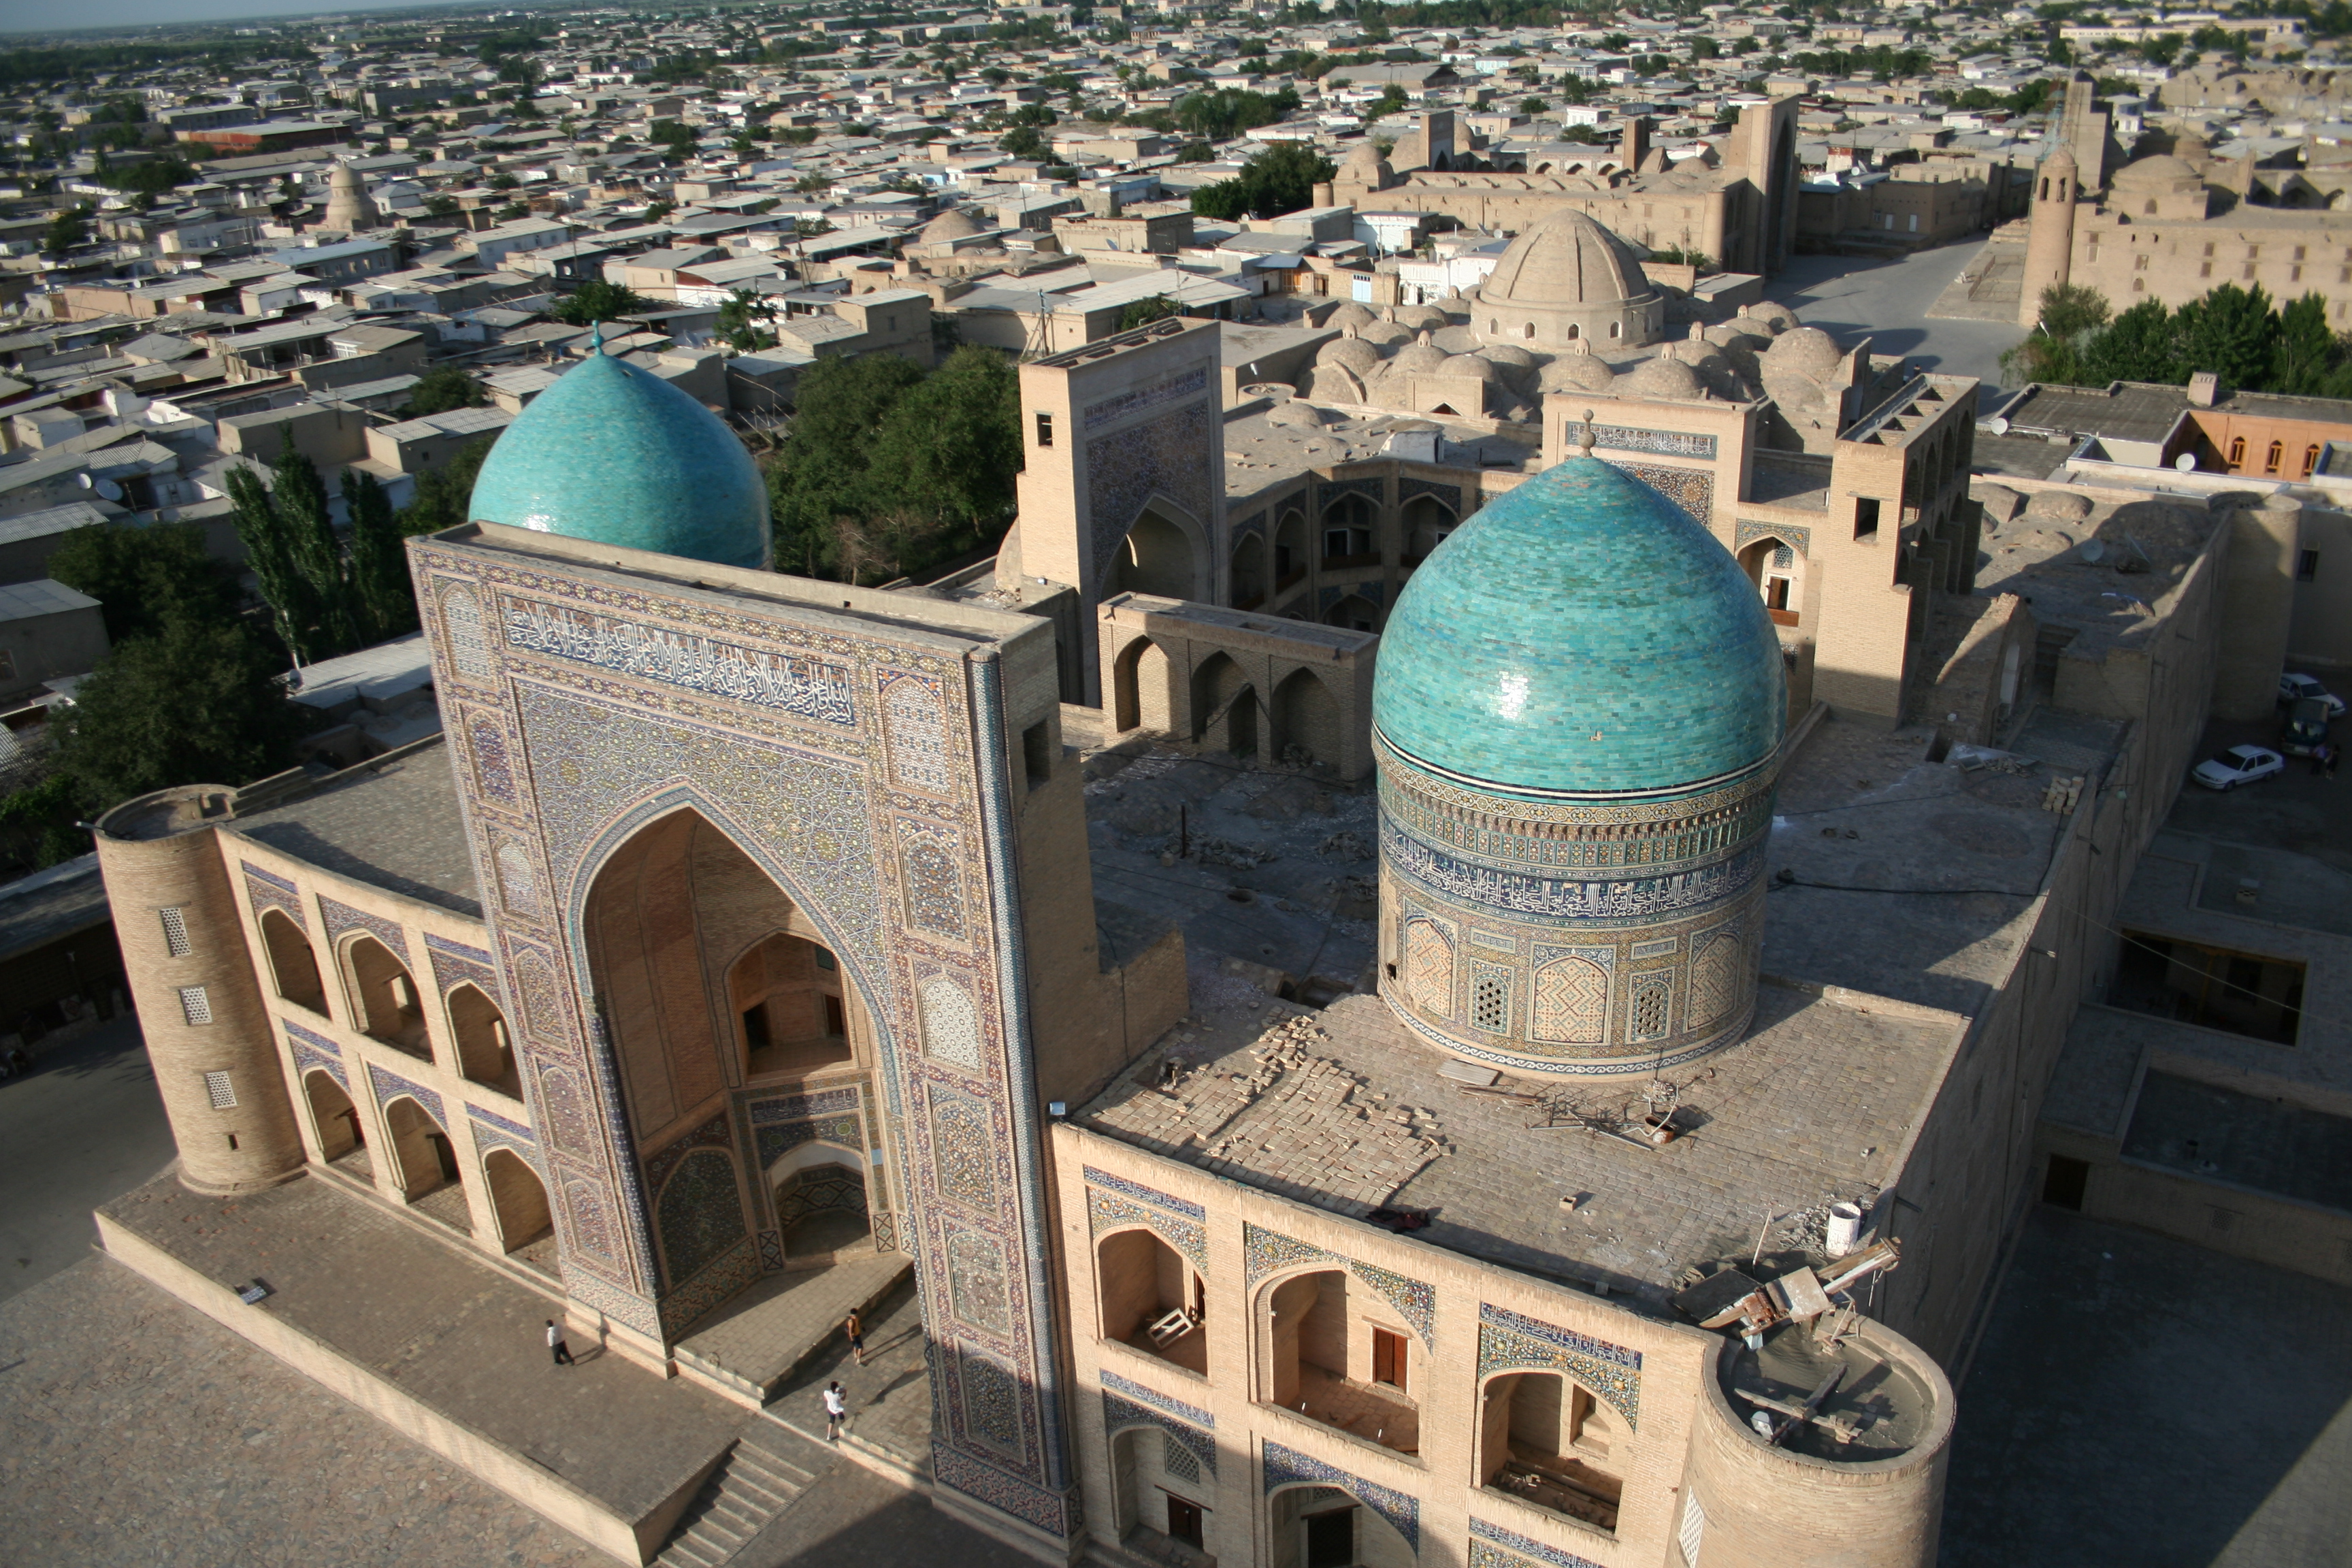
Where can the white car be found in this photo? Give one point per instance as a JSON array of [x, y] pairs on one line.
[[2293, 689], [2239, 764]]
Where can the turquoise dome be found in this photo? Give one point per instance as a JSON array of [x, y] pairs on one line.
[[1580, 636], [615, 454]]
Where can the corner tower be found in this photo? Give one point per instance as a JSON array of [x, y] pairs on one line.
[[2050, 239], [1577, 720]]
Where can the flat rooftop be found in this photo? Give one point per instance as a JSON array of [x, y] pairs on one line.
[[394, 824], [1265, 443], [1346, 1109]]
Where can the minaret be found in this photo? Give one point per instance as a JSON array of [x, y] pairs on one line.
[[348, 207], [2050, 242]]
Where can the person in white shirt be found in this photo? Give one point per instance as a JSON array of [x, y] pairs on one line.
[[837, 1411]]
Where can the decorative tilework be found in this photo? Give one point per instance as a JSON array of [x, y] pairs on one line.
[[1023, 1501], [274, 891], [804, 688], [1665, 443], [454, 964], [1376, 491], [914, 732], [929, 857], [992, 1400], [1157, 1401], [342, 917], [963, 1142], [307, 1058], [389, 1087], [951, 1022], [1121, 1414], [488, 744], [1693, 490], [1289, 1468], [1572, 1002], [493, 1119], [1142, 1194], [590, 1225], [462, 629], [1253, 524], [518, 881], [1408, 488], [1746, 532], [794, 1106], [1639, 898], [1165, 455], [734, 1268], [1106, 1212], [1183, 385], [1265, 1252], [1483, 1532], [976, 1283], [318, 1041], [1509, 1341], [771, 1249], [711, 1134], [773, 1141], [702, 1214], [490, 1130], [565, 1112]]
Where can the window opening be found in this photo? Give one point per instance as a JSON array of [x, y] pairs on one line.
[[175, 931], [195, 1005], [1045, 429], [220, 1092]]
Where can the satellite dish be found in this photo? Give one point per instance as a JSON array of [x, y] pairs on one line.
[[109, 489], [2186, 462], [1997, 425]]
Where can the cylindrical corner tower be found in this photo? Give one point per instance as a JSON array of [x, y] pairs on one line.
[[200, 1008], [2050, 237], [1862, 1486], [1576, 717]]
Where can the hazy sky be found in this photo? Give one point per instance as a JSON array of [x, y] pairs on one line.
[[43, 15]]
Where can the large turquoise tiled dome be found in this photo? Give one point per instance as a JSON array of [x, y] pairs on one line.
[[1580, 636], [615, 454]]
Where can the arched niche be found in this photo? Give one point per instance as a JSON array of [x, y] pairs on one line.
[[1356, 613], [1332, 1350], [1141, 687], [423, 1159], [1249, 572], [384, 1003], [1161, 554], [790, 1009], [293, 964], [1151, 1298], [485, 1049], [518, 1200], [1224, 706], [334, 1120], [1778, 572], [1314, 1526], [1304, 719], [1548, 1440]]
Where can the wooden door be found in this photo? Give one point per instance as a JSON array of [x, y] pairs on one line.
[[1183, 1520], [1388, 1359]]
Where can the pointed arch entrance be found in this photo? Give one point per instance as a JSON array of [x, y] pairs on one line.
[[1161, 554]]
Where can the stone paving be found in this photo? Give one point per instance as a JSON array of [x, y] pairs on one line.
[[889, 1397], [773, 1326], [456, 1335], [135, 1430]]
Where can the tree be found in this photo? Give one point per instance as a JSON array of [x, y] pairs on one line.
[[443, 493], [1279, 179], [1024, 141], [440, 389], [291, 550], [820, 475], [2231, 332], [67, 229], [383, 596], [945, 457], [2141, 344], [1391, 100], [1533, 106], [597, 300], [2068, 308], [739, 318], [191, 703], [1143, 312], [146, 578]]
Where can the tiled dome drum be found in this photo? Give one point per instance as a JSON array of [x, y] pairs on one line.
[[1577, 718]]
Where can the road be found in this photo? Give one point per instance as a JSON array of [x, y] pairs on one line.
[[1848, 296], [83, 1127]]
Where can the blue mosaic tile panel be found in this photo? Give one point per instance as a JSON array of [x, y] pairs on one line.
[[267, 890], [1184, 383], [492, 1118], [1288, 1467], [1165, 455], [1747, 532], [1664, 443], [1157, 1401], [454, 964], [342, 917], [1483, 1555], [1104, 1213], [296, 1031], [1121, 1414], [796, 1107], [700, 1215], [1575, 899], [1509, 1341], [306, 1059], [1266, 1252], [975, 1479], [390, 1087]]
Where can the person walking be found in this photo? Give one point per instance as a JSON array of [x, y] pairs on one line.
[[555, 1345], [856, 1332], [837, 1411]]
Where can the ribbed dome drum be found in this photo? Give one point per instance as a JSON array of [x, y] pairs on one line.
[[615, 454], [1578, 717]]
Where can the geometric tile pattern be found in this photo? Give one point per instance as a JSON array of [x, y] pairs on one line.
[[388, 1088], [1483, 1556], [1157, 1401], [1105, 1212], [341, 918], [1747, 532], [1288, 1467], [1264, 1252], [266, 888], [1509, 1341], [1119, 1414]]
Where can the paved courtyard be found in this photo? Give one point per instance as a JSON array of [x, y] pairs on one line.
[[1850, 295], [2141, 1401]]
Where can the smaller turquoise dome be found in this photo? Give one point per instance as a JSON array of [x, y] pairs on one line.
[[615, 454], [1581, 635]]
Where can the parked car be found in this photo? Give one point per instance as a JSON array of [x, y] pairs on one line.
[[2238, 765], [2306, 727], [2294, 689]]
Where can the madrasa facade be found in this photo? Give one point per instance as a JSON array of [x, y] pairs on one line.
[[740, 924]]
